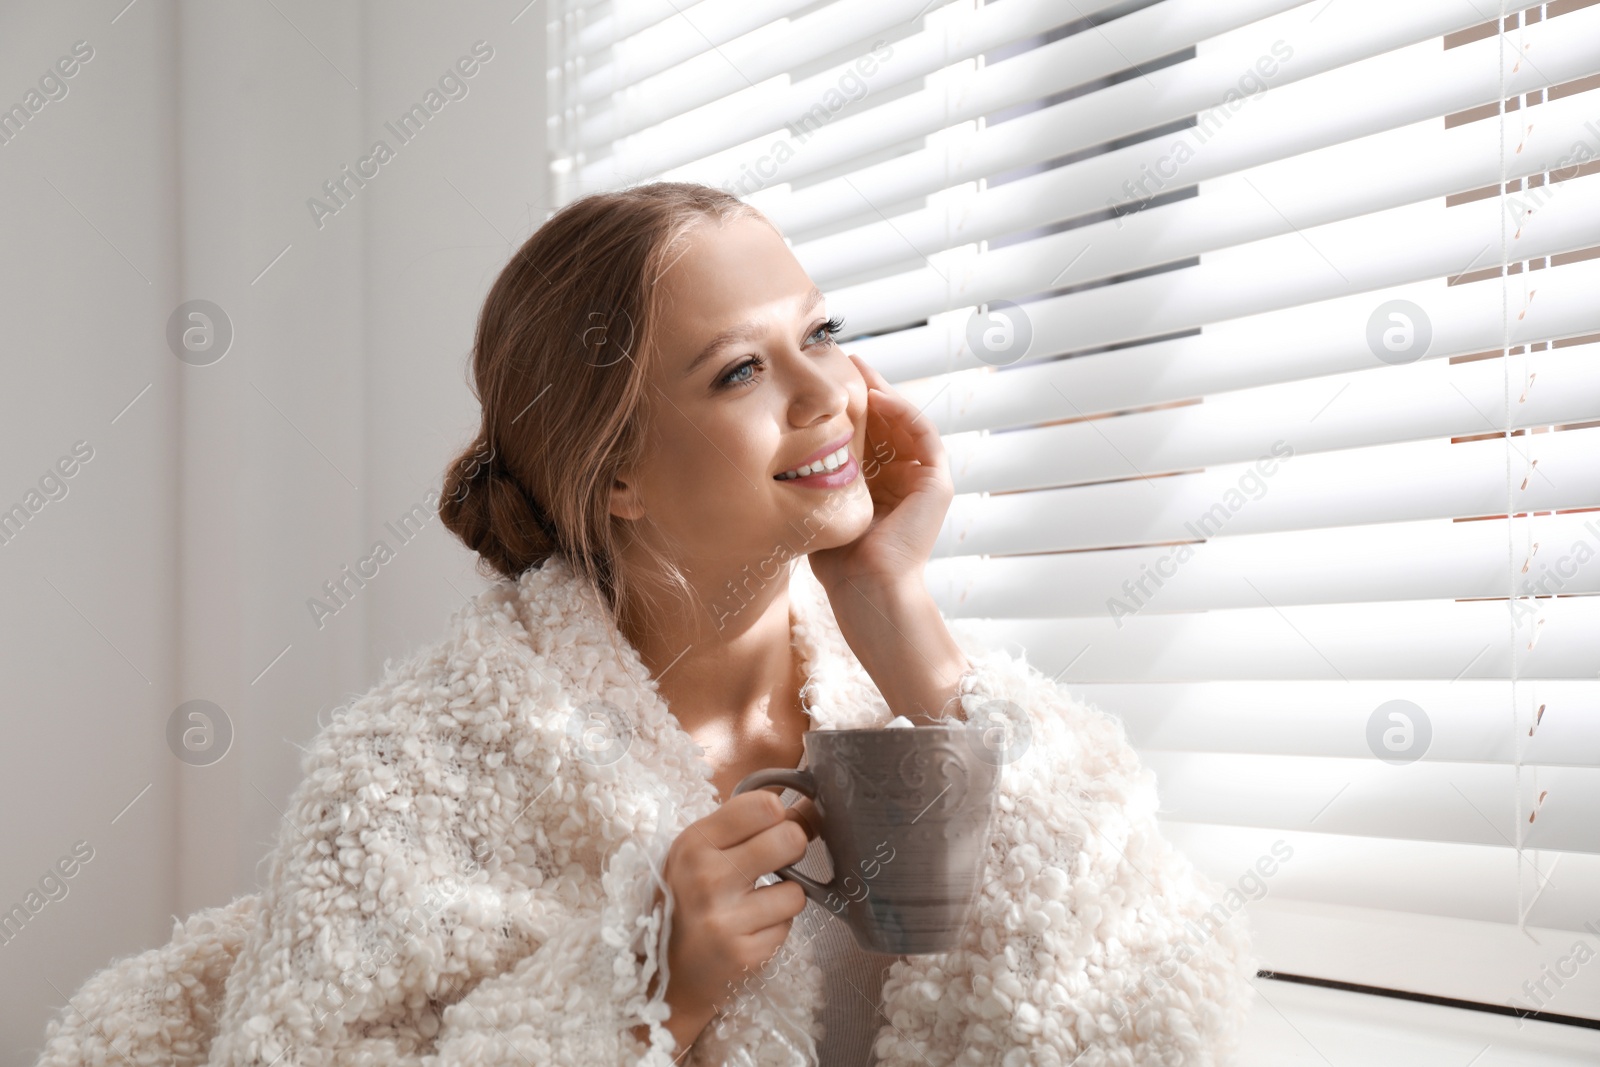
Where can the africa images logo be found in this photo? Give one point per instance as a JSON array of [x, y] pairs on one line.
[[341, 189]]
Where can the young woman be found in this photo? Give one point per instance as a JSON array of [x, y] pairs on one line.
[[708, 526]]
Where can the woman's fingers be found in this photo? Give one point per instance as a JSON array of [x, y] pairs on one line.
[[910, 481], [918, 432], [804, 812], [914, 436]]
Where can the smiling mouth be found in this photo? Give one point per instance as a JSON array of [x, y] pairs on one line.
[[831, 462]]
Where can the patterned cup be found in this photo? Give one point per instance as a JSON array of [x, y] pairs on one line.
[[906, 816]]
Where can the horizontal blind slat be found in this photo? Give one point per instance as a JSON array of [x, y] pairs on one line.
[[694, 31], [1425, 480], [622, 19], [1420, 877], [1468, 718], [1463, 803], [1362, 408], [1330, 642], [1428, 560]]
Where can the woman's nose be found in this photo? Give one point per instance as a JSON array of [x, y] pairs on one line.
[[819, 388]]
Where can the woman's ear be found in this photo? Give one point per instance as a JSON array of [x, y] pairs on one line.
[[625, 502]]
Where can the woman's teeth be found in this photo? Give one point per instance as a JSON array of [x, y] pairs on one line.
[[831, 462]]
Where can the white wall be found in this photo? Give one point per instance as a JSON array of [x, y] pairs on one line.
[[179, 563]]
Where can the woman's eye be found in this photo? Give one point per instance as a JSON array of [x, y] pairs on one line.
[[830, 329], [734, 377]]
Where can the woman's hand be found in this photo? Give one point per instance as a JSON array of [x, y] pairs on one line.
[[909, 479], [875, 583], [723, 925], [690, 1015]]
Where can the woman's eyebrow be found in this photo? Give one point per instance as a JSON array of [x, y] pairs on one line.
[[744, 331]]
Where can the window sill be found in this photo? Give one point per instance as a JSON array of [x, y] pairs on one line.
[[1299, 1024]]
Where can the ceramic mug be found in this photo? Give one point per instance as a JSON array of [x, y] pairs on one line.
[[905, 815]]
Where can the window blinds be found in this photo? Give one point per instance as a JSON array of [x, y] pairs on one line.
[[1265, 342]]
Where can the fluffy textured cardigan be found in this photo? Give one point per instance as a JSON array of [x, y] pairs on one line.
[[458, 883]]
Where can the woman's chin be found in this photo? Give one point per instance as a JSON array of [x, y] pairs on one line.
[[842, 530]]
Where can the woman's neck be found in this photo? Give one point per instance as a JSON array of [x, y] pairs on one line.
[[731, 661]]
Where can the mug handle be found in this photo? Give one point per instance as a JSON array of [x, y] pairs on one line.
[[804, 783]]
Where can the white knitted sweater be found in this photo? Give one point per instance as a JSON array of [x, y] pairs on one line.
[[461, 886]]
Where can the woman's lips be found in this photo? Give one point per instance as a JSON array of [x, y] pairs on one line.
[[819, 453], [843, 475]]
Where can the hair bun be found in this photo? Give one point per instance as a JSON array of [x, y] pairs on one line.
[[487, 506], [498, 472]]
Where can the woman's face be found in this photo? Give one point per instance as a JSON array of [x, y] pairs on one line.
[[748, 385]]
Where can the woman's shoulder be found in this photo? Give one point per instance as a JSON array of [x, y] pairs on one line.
[[487, 710], [473, 698], [450, 764]]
